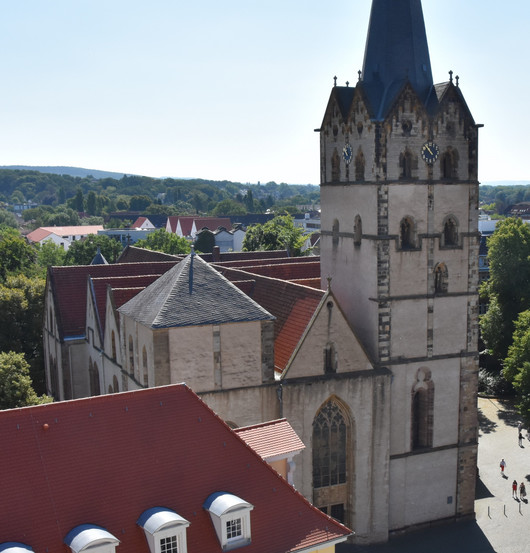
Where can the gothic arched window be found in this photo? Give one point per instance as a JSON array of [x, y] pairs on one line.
[[450, 233], [405, 164], [329, 446], [335, 167], [441, 278], [131, 355], [422, 412], [359, 166], [93, 372], [113, 344], [449, 164], [144, 363], [407, 234]]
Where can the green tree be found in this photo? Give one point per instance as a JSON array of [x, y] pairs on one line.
[[204, 241], [277, 234], [91, 203], [228, 207], [22, 308], [82, 252], [50, 254], [162, 241], [8, 219], [16, 255], [508, 287], [16, 389], [78, 203], [139, 203]]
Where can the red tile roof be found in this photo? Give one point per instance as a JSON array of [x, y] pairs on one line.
[[38, 234], [293, 306], [69, 286], [271, 439], [105, 460]]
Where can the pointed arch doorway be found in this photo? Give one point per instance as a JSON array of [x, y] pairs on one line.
[[333, 460]]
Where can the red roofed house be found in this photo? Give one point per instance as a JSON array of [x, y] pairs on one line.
[[151, 471], [63, 236]]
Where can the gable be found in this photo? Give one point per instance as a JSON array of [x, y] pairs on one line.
[[328, 326]]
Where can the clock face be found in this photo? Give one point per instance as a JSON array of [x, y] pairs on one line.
[[347, 153], [430, 152]]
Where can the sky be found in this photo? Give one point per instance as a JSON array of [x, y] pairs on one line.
[[233, 89]]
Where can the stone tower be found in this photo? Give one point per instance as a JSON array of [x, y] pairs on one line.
[[399, 194]]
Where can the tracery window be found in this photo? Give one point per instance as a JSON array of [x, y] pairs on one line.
[[329, 446], [131, 355]]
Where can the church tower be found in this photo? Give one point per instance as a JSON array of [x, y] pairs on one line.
[[399, 195]]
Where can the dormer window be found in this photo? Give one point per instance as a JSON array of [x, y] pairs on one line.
[[14, 547], [165, 530], [231, 519], [89, 536]]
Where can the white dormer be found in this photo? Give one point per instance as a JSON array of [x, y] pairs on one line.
[[165, 530], [90, 536], [231, 519], [14, 547]]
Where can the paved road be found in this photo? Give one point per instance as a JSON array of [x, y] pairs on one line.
[[502, 523]]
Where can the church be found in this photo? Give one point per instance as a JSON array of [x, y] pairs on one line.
[[370, 352]]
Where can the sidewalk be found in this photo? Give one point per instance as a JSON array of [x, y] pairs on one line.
[[502, 523]]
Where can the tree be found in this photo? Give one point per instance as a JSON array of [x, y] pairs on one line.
[[228, 207], [166, 242], [78, 203], [519, 350], [22, 308], [277, 234], [82, 252], [139, 203], [16, 388], [8, 219], [50, 254], [508, 287], [91, 203], [16, 255], [204, 241]]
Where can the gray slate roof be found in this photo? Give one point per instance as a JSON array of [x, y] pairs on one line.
[[176, 300]]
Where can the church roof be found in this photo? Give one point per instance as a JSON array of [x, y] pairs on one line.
[[104, 460], [396, 53], [99, 259], [188, 295]]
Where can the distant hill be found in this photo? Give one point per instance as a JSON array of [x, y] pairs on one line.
[[506, 183], [72, 171]]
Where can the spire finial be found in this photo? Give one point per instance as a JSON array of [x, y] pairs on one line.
[[451, 76], [335, 81], [347, 83], [457, 78], [359, 73], [329, 279]]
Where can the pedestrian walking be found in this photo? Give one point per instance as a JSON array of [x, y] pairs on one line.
[[522, 491], [514, 489], [503, 465], [520, 439]]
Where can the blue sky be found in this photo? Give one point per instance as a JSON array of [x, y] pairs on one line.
[[231, 89]]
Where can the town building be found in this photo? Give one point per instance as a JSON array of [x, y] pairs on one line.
[[63, 236], [370, 351]]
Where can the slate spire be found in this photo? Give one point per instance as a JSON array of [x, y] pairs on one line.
[[396, 51]]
